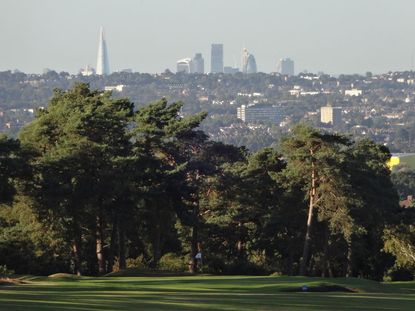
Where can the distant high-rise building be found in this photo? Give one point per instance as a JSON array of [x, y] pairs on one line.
[[216, 60], [286, 67], [198, 63], [248, 62], [251, 67], [244, 60], [103, 66], [185, 65], [331, 115], [259, 113]]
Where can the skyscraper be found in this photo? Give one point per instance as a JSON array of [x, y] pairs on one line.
[[331, 115], [198, 63], [244, 60], [251, 67], [103, 66], [248, 62], [216, 60], [286, 67]]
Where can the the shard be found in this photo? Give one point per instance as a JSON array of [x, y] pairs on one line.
[[103, 66]]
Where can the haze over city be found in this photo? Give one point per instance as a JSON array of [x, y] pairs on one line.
[[150, 36]]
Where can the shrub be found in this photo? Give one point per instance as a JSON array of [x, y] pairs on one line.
[[399, 274], [172, 262], [137, 263], [4, 272]]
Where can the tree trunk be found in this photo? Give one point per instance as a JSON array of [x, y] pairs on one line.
[[289, 267], [113, 243], [349, 259], [239, 243], [76, 257], [99, 244], [324, 268], [121, 246], [76, 250], [194, 250], [156, 244], [331, 274], [307, 240]]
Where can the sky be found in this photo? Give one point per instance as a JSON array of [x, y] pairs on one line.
[[332, 36]]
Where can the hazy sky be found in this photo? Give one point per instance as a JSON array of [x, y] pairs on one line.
[[334, 36]]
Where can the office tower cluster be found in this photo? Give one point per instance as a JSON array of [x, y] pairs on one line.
[[197, 63], [285, 67], [191, 65]]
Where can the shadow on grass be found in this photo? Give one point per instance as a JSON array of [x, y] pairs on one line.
[[201, 293]]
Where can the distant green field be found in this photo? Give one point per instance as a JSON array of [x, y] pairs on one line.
[[204, 293]]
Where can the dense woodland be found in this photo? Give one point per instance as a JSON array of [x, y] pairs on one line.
[[94, 185]]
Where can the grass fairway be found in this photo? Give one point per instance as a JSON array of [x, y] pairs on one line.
[[203, 293]]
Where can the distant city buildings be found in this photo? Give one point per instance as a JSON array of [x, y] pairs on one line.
[[216, 59], [103, 67], [331, 115], [286, 66], [248, 62], [87, 71], [230, 70], [189, 65], [185, 65], [259, 113]]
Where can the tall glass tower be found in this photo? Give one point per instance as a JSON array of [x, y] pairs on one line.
[[216, 60], [251, 64], [286, 67], [103, 66]]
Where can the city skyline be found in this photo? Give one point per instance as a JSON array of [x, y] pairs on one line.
[[146, 36]]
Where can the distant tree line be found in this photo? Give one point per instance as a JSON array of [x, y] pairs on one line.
[[93, 186]]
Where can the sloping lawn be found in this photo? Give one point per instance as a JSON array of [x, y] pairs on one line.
[[204, 293]]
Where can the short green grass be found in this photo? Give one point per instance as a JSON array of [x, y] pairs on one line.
[[203, 293]]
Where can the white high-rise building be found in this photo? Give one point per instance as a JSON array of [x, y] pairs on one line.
[[185, 65], [252, 113], [103, 66], [331, 115]]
